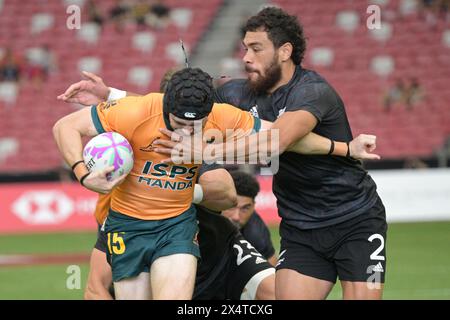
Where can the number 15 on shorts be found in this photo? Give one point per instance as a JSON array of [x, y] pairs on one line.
[[116, 245]]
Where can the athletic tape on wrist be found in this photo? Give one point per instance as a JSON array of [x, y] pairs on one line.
[[115, 94], [198, 194]]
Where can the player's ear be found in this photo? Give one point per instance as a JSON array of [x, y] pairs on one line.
[[285, 51]]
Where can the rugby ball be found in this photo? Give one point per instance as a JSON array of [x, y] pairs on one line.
[[109, 149]]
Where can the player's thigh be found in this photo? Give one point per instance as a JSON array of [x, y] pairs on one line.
[[135, 288], [304, 270], [361, 258], [173, 276], [99, 278], [134, 244], [292, 285]]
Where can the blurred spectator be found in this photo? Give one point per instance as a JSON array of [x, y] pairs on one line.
[[140, 10], [239, 47], [40, 63], [10, 67], [444, 10], [118, 14], [34, 73], [396, 94], [432, 10], [159, 16], [413, 94], [94, 13], [415, 163]]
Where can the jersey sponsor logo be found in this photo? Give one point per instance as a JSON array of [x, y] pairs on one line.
[[259, 260], [190, 115], [378, 268], [195, 240], [150, 147], [165, 184], [108, 104], [171, 172], [280, 259]]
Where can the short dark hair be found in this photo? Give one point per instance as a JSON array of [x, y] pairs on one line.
[[246, 184], [166, 77], [281, 28]]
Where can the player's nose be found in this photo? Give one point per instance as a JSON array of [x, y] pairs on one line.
[[234, 214], [247, 58]]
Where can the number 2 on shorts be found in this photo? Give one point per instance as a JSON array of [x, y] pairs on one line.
[[375, 255]]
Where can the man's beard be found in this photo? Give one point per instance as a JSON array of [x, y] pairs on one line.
[[264, 83]]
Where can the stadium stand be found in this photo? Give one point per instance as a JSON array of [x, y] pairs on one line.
[[361, 64], [134, 58], [365, 63]]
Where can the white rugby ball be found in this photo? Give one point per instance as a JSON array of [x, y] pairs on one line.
[[109, 149]]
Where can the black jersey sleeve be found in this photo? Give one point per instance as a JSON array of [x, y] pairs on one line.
[[317, 98], [257, 233], [208, 167]]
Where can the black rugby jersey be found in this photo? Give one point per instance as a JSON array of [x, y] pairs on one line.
[[257, 233], [311, 191], [215, 238]]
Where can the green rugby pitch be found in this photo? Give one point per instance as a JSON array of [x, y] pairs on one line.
[[418, 263]]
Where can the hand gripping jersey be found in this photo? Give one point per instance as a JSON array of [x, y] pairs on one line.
[[155, 190]]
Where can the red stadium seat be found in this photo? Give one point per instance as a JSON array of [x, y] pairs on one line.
[[37, 109]]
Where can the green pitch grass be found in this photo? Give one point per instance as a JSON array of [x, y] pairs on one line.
[[418, 263]]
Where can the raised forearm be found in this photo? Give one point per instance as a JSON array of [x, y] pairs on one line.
[[313, 144], [67, 133], [261, 147], [255, 148], [63, 133]]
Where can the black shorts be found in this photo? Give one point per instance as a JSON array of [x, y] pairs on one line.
[[230, 276], [353, 250], [102, 240]]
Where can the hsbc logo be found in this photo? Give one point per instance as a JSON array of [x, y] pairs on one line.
[[43, 207]]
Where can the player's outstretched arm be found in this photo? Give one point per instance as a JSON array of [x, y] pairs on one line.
[[67, 133], [361, 147], [313, 144], [265, 145], [218, 189], [91, 90]]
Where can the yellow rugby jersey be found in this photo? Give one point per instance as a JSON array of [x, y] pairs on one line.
[[102, 207], [155, 190]]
